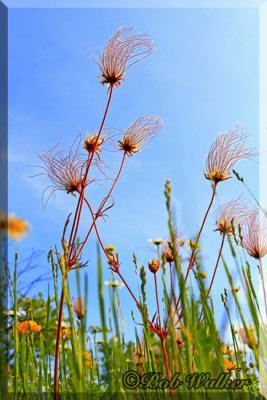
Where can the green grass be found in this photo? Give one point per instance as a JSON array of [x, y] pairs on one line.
[[98, 366]]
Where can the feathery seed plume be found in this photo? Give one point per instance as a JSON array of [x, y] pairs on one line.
[[123, 50], [255, 234], [231, 212], [139, 133], [228, 148]]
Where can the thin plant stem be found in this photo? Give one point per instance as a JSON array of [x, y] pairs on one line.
[[214, 273], [58, 340], [172, 288], [116, 268], [263, 285], [16, 336], [191, 260], [157, 297], [103, 204], [162, 340], [78, 211]]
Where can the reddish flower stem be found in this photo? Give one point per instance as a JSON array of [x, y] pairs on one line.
[[71, 246], [192, 260], [103, 204], [214, 273], [116, 268], [77, 217], [162, 340]]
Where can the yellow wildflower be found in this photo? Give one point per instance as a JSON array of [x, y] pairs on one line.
[[203, 275], [193, 245], [110, 250], [90, 143], [227, 351], [67, 333]]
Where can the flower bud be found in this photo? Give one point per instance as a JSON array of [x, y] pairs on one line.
[[154, 265]]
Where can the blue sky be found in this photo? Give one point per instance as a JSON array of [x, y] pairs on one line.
[[201, 79]]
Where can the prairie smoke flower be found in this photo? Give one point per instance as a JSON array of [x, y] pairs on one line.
[[228, 148], [78, 306], [166, 247], [66, 172], [140, 133], [90, 143], [123, 50], [230, 214], [15, 227], [250, 342], [154, 266], [255, 234]]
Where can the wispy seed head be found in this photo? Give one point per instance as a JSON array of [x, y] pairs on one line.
[[255, 233], [229, 214], [140, 133], [123, 50], [228, 148]]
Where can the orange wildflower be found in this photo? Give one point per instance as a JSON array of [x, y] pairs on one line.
[[229, 365], [15, 227], [228, 148], [123, 50], [27, 326], [23, 327], [34, 327], [87, 358], [140, 133]]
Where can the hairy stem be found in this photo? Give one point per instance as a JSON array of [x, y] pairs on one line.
[[78, 211], [214, 273], [103, 204], [162, 340]]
